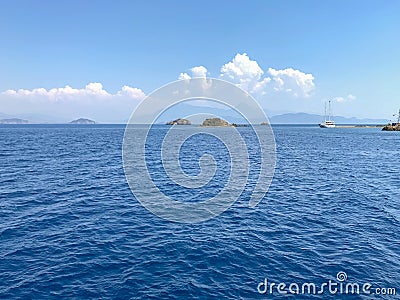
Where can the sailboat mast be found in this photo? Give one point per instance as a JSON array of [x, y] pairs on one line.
[[330, 110], [398, 118]]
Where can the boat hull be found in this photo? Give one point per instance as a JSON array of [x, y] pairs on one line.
[[327, 125]]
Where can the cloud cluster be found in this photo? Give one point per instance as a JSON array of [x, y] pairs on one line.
[[134, 93], [93, 89], [245, 73], [66, 103], [196, 72], [248, 75], [293, 81]]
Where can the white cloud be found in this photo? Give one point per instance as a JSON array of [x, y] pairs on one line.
[[245, 73], [199, 71], [131, 92], [248, 75], [65, 103], [184, 76], [93, 89], [348, 98], [196, 72], [293, 81]]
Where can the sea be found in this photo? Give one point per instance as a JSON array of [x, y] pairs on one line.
[[71, 228]]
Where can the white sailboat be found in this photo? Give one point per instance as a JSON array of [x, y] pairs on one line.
[[328, 123]]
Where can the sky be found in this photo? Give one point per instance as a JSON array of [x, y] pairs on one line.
[[99, 59]]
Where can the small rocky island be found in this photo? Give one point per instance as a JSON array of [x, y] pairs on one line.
[[240, 125], [82, 121], [179, 122], [215, 122], [14, 121], [392, 127]]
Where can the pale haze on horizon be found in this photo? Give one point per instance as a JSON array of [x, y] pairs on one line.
[[99, 59]]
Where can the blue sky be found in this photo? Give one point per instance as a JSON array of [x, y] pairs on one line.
[[351, 48]]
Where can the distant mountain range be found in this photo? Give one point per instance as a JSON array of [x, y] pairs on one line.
[[304, 118], [35, 118]]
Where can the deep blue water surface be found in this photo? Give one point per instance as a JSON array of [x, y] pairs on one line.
[[70, 226]]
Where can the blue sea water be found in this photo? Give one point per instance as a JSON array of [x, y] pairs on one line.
[[71, 228]]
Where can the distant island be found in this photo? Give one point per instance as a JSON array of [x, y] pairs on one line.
[[82, 121], [240, 125], [215, 122], [179, 122], [14, 121]]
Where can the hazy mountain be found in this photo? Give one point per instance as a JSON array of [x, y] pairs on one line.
[[35, 118], [304, 118], [13, 121]]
